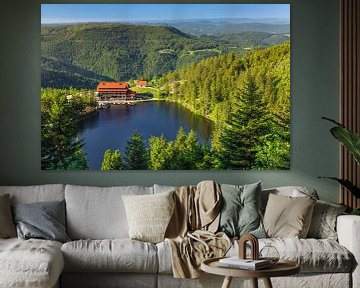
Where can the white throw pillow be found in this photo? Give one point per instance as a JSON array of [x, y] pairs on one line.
[[149, 215]]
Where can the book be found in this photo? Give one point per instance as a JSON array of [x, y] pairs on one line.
[[236, 262]]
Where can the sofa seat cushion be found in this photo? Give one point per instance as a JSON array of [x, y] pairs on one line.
[[313, 255], [115, 255], [30, 263]]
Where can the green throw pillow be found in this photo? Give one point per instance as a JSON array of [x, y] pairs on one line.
[[240, 213]]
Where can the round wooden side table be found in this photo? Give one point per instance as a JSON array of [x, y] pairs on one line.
[[281, 268]]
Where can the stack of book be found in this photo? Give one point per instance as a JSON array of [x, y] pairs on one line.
[[248, 264]]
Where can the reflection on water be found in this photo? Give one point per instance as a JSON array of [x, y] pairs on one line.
[[111, 127]]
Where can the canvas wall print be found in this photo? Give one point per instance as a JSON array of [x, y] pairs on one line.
[[165, 86]]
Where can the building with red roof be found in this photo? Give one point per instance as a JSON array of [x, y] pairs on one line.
[[115, 91], [141, 83]]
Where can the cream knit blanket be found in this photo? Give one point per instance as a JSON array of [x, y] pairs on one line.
[[191, 231]]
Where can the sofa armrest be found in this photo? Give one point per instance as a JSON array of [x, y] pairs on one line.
[[348, 230]]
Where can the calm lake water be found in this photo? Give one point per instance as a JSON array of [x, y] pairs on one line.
[[111, 127]]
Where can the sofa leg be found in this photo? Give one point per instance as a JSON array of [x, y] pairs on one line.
[[254, 282], [267, 283]]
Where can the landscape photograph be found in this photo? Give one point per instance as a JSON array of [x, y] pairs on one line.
[[165, 87]]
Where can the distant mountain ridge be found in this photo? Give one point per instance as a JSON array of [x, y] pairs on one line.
[[84, 54], [217, 26], [156, 21], [228, 20]]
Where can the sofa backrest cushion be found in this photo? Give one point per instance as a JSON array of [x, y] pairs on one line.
[[163, 188], [36, 193], [98, 212]]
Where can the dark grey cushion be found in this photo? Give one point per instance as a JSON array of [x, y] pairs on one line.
[[44, 220], [240, 213], [7, 227]]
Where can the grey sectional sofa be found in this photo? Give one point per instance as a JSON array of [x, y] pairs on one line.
[[101, 255]]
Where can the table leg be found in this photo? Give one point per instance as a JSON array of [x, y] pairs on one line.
[[267, 283], [227, 282], [254, 282]]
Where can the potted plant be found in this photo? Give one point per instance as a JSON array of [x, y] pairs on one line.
[[351, 141]]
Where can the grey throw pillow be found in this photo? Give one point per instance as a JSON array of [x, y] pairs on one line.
[[44, 220], [7, 226], [323, 222], [240, 213]]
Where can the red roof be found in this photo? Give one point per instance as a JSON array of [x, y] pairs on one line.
[[141, 82], [112, 85]]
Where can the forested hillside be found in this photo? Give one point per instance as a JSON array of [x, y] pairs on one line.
[[120, 52], [55, 73], [81, 55], [249, 100]]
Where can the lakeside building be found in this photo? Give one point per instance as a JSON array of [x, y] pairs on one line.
[[141, 83], [108, 91]]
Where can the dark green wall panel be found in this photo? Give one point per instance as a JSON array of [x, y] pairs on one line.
[[314, 93]]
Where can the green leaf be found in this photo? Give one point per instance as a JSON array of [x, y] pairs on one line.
[[355, 211], [347, 184], [348, 138]]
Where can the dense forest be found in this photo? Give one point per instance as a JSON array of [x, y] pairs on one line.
[[247, 97], [61, 111], [81, 55], [228, 88]]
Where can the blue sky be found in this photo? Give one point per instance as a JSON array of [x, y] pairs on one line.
[[64, 13]]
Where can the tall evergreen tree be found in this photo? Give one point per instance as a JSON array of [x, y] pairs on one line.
[[112, 160], [248, 122], [136, 153], [160, 153], [193, 153]]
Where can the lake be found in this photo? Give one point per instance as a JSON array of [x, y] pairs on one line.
[[112, 127]]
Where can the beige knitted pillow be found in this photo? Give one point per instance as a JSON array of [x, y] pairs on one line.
[[149, 215], [288, 217]]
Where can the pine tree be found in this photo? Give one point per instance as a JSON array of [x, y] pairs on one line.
[[160, 153], [112, 161], [248, 122], [193, 152], [136, 153], [178, 151]]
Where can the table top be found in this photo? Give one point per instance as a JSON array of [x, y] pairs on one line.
[[281, 268]]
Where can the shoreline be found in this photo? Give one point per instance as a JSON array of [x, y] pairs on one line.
[[106, 103], [127, 102]]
